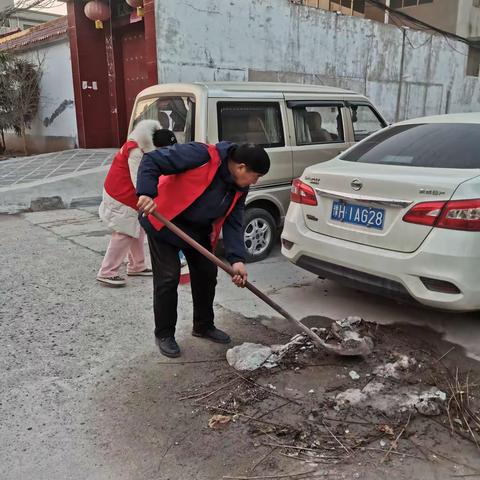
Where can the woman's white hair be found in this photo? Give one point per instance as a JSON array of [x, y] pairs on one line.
[[143, 134]]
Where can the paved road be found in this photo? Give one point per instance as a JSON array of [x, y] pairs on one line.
[[74, 177], [299, 291], [37, 168], [85, 395]]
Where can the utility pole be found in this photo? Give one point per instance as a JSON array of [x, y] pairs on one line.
[[400, 80], [387, 13]]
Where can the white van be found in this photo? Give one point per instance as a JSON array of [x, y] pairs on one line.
[[299, 125]]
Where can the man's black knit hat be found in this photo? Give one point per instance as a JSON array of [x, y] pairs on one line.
[[164, 138]]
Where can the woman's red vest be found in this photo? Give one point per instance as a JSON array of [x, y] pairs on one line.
[[118, 182]]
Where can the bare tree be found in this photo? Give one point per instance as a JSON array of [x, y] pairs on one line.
[[20, 5], [5, 100], [20, 94]]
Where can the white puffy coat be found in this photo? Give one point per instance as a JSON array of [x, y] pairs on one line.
[[116, 215]]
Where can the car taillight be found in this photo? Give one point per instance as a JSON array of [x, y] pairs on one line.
[[461, 215], [425, 213], [454, 215], [302, 193]]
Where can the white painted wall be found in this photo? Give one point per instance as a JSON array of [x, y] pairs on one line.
[[55, 127], [277, 40], [56, 87], [468, 21]]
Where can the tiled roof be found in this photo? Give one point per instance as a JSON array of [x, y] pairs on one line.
[[42, 33]]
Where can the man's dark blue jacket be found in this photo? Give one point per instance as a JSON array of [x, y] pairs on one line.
[[214, 202]]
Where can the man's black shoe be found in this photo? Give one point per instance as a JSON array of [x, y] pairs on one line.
[[168, 346], [213, 334]]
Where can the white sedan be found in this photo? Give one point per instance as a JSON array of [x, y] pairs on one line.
[[397, 214]]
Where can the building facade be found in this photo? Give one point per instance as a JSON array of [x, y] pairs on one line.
[[406, 72], [461, 17], [21, 18], [55, 126], [110, 66]]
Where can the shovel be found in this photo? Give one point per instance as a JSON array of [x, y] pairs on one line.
[[363, 346]]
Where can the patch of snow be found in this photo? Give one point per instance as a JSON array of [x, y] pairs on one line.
[[352, 335], [349, 322], [413, 399], [393, 369], [352, 396], [373, 388]]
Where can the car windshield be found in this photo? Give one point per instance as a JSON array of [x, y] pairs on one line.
[[437, 145]]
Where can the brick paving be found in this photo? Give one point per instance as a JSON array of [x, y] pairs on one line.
[[17, 171]]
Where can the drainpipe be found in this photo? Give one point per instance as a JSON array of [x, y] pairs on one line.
[[447, 103], [400, 82]]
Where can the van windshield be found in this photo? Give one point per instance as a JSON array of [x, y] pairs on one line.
[[173, 112]]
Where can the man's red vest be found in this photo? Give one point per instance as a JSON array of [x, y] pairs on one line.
[[177, 192], [118, 182]]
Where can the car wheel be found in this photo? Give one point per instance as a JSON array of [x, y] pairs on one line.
[[258, 234]]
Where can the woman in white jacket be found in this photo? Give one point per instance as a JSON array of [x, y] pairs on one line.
[[118, 208]]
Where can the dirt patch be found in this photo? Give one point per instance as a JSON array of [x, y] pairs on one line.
[[411, 407]]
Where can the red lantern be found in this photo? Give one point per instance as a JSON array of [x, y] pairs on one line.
[[138, 4], [97, 11]]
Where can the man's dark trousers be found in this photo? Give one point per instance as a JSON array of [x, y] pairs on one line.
[[166, 276]]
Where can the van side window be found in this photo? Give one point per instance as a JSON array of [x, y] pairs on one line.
[[365, 121], [318, 124], [251, 122], [175, 113]]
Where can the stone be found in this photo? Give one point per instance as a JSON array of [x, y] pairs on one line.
[[354, 375], [250, 356], [47, 203]]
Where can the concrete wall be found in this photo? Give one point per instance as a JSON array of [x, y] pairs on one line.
[[277, 40], [55, 127]]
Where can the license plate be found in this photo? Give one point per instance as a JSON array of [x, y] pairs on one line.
[[358, 215]]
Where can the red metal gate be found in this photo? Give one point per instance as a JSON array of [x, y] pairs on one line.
[[135, 74]]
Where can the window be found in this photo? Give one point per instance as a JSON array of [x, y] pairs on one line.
[[333, 5], [438, 145], [251, 122], [175, 113], [358, 5], [365, 121], [318, 124], [473, 61], [408, 3]]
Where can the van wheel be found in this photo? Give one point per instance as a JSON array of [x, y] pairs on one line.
[[258, 234]]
